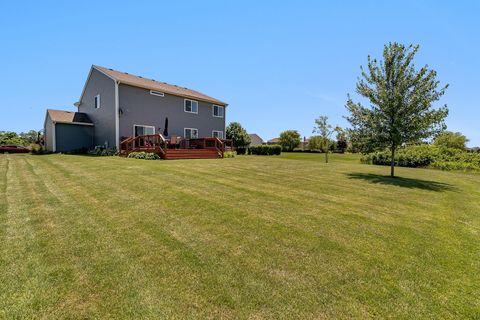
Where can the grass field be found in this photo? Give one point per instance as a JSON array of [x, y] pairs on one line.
[[249, 237]]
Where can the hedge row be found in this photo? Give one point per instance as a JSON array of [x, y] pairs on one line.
[[427, 156], [265, 149], [144, 155]]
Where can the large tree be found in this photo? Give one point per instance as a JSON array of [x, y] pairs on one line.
[[239, 136], [401, 98], [289, 140]]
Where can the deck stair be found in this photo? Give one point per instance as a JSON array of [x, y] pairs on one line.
[[173, 154]]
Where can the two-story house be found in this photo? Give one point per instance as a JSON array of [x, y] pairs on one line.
[[115, 105]]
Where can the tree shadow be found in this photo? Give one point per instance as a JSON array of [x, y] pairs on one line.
[[402, 182]]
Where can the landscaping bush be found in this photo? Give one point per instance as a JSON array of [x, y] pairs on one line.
[[39, 149], [102, 151], [265, 150], [229, 154], [144, 155], [427, 156]]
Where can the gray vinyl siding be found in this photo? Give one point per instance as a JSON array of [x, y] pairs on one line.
[[104, 117], [139, 107], [48, 133], [73, 136]]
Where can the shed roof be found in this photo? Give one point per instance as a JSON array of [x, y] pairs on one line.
[[63, 116]]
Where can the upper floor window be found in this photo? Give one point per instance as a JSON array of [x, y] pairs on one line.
[[217, 111], [157, 93], [97, 101], [190, 106]]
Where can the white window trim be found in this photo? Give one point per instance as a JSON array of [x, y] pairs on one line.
[[217, 131], [142, 125], [185, 132], [99, 101], [185, 106], [213, 111], [157, 93]]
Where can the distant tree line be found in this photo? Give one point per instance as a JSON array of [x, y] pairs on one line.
[[22, 138]]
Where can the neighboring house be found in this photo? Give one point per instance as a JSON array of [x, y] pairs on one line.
[[255, 139], [119, 105], [274, 141]]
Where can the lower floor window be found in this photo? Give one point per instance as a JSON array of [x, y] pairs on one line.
[[191, 133], [217, 134]]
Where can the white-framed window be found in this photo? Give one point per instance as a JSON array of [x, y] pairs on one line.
[[190, 133], [218, 111], [217, 134], [97, 101], [142, 130], [190, 106], [157, 93]]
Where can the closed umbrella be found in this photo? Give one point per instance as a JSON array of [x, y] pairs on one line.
[[165, 131]]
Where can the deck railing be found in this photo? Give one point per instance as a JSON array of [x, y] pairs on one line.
[[158, 144], [149, 142]]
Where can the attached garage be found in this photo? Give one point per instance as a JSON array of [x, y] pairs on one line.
[[67, 131]]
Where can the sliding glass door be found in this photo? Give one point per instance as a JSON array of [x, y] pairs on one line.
[[141, 130]]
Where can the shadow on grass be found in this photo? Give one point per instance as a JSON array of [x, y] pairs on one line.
[[402, 182]]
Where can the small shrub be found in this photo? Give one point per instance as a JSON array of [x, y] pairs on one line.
[[102, 151], [39, 149], [144, 155], [229, 154]]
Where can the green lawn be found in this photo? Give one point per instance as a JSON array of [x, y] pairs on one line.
[[249, 237]]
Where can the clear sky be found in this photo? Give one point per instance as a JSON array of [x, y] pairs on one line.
[[279, 64]]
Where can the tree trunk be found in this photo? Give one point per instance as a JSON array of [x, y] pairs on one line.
[[326, 157], [392, 163]]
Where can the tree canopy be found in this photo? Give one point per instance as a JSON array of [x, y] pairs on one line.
[[400, 98], [289, 139], [448, 139], [238, 134], [23, 138], [325, 130]]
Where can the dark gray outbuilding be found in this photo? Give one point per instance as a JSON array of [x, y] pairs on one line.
[[67, 131], [73, 137]]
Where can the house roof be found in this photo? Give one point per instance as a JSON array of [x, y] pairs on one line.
[[274, 140], [254, 136], [152, 84], [63, 116]]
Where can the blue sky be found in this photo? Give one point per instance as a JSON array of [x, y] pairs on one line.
[[279, 64]]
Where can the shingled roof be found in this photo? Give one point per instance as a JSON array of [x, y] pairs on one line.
[[62, 116], [151, 84]]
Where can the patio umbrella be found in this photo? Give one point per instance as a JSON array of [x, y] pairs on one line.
[[165, 131]]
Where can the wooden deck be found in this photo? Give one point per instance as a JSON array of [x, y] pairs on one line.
[[201, 148]]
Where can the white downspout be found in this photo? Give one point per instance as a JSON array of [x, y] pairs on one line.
[[117, 117], [54, 139]]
